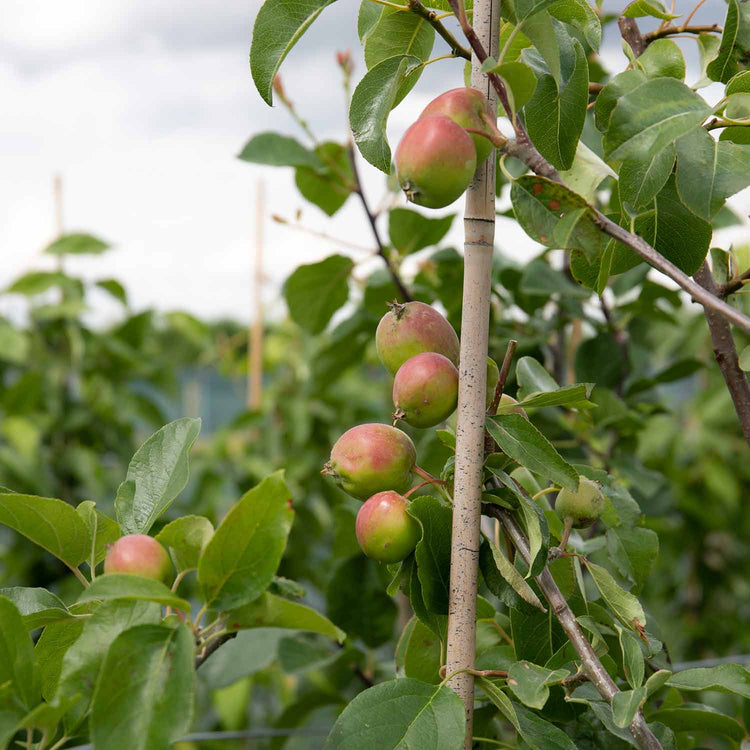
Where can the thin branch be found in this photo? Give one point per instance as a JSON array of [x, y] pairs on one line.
[[652, 36], [504, 370], [402, 290], [212, 647], [457, 49], [630, 32], [591, 665], [733, 285], [725, 352]]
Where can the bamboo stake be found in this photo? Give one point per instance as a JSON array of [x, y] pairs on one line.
[[255, 334], [479, 228]]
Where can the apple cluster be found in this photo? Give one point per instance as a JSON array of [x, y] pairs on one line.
[[438, 155], [376, 462]]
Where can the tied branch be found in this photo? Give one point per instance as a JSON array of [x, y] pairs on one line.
[[523, 149]]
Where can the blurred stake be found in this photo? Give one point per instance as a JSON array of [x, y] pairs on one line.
[[255, 349], [57, 192]]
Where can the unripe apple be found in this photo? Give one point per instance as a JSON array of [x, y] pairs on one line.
[[465, 107], [370, 458], [435, 161], [425, 390], [385, 531], [506, 400], [138, 554], [493, 375], [413, 328], [583, 506]]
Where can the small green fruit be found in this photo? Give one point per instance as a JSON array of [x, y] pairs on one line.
[[370, 458], [466, 108], [385, 531], [583, 506], [410, 329], [435, 161], [425, 390], [138, 554]]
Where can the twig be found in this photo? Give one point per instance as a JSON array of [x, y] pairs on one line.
[[504, 370], [371, 218], [652, 36], [725, 352], [591, 665], [457, 49], [630, 32], [212, 647], [733, 285]]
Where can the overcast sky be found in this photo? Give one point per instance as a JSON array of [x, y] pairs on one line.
[[142, 106]]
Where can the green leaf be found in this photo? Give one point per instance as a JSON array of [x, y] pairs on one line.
[[540, 734], [46, 717], [709, 171], [400, 714], [580, 15], [15, 345], [423, 654], [633, 550], [132, 588], [314, 292], [523, 9], [621, 84], [50, 651], [399, 33], [530, 682], [275, 612], [279, 151], [650, 117], [411, 231], [413, 589], [622, 603], [698, 717], [102, 531], [52, 524], [725, 678], [738, 107], [520, 440], [533, 378], [115, 289], [573, 396], [735, 44], [663, 58], [17, 666], [77, 244], [37, 282], [432, 553], [37, 606], [328, 188], [738, 84], [278, 27], [625, 705], [642, 177], [239, 562], [553, 215], [653, 8], [657, 681], [555, 114], [632, 656], [157, 473], [587, 173], [148, 677], [375, 96], [367, 18], [186, 537], [494, 579], [537, 531], [520, 82], [514, 578]]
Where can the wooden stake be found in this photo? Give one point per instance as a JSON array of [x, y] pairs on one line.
[[57, 192], [255, 332], [479, 227]]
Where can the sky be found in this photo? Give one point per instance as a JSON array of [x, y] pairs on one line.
[[141, 107]]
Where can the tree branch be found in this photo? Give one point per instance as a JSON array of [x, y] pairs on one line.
[[524, 150], [591, 665], [733, 285], [630, 32], [725, 352], [213, 646], [402, 290], [430, 16], [652, 36]]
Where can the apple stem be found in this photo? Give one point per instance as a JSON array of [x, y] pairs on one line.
[[566, 533], [419, 471], [77, 573]]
